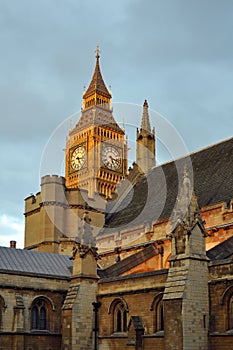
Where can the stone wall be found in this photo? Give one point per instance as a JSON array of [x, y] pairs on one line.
[[138, 294], [18, 293], [221, 295]]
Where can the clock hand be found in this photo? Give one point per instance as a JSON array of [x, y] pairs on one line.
[[111, 158], [115, 160]]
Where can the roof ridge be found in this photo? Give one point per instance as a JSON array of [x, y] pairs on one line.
[[33, 251], [193, 152], [212, 176], [30, 262]]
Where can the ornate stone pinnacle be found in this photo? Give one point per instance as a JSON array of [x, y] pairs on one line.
[[83, 249], [145, 125]]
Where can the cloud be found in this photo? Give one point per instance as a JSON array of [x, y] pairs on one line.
[[11, 228], [177, 54], [177, 31]]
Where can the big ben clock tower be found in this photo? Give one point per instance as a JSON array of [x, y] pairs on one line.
[[96, 151]]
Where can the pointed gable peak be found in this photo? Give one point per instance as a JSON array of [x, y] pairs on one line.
[[97, 85], [145, 125]]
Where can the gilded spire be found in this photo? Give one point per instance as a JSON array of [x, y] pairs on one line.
[[97, 89], [145, 125]]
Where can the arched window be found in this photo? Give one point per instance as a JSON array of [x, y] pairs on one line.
[[159, 322], [119, 312], [227, 303], [2, 308], [40, 312], [34, 323], [120, 318], [158, 316], [230, 313], [42, 318]]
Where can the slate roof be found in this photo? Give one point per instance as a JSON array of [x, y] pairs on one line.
[[155, 196], [128, 263], [98, 116], [223, 250], [32, 262]]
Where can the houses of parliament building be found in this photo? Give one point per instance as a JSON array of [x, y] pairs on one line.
[[118, 258]]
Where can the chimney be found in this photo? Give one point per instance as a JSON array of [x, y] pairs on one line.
[[12, 244]]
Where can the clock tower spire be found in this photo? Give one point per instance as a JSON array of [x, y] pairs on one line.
[[97, 93], [96, 149]]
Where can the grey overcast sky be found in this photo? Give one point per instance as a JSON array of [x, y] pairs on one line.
[[176, 53]]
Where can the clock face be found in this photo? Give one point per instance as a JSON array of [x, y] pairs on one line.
[[111, 157], [78, 158]]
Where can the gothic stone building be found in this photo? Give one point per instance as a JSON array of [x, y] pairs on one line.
[[162, 276]]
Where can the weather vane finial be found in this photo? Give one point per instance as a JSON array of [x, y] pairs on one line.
[[97, 51]]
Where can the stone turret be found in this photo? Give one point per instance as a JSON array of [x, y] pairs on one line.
[[56, 216], [145, 153], [44, 215]]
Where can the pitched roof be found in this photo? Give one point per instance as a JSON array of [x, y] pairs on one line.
[[128, 263], [223, 250], [30, 262], [97, 83], [155, 196], [97, 116]]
